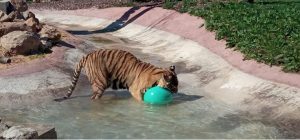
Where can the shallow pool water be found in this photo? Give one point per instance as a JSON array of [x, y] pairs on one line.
[[117, 115]]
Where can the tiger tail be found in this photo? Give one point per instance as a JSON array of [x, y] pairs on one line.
[[76, 75]]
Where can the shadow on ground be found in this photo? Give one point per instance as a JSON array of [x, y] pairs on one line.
[[181, 98], [118, 24], [62, 43]]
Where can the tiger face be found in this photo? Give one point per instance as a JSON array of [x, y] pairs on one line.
[[169, 80]]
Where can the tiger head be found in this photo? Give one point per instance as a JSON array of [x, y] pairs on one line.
[[169, 80]]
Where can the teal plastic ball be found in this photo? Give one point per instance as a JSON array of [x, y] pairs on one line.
[[158, 95]]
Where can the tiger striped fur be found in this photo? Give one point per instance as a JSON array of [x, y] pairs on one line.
[[121, 69]]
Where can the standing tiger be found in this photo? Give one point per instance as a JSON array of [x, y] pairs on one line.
[[120, 69]]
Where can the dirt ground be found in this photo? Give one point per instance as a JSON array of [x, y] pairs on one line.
[[23, 59], [15, 60]]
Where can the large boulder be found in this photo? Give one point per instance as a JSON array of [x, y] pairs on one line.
[[3, 126], [6, 6], [18, 16], [46, 45], [4, 17], [7, 27], [19, 5], [13, 16], [50, 33], [49, 36], [20, 42], [13, 9], [20, 132], [33, 22]]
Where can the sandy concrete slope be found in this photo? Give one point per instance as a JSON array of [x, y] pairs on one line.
[[188, 27], [196, 48]]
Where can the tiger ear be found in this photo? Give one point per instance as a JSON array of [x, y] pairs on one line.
[[172, 68]]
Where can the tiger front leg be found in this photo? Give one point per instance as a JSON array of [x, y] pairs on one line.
[[136, 94]]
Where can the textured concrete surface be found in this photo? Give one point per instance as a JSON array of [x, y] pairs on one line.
[[184, 25], [49, 79], [209, 71]]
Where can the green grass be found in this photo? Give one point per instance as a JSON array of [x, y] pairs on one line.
[[267, 31], [169, 4], [186, 4], [37, 56]]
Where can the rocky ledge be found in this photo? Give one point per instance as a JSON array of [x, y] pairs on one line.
[[9, 130], [21, 33]]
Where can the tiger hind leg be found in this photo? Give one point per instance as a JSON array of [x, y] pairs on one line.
[[97, 91]]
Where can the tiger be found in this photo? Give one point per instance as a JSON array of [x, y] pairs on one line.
[[120, 69]]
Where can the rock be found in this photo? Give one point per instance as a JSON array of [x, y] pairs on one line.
[[3, 17], [36, 1], [20, 132], [4, 60], [30, 15], [19, 5], [13, 9], [20, 42], [19, 16], [6, 7], [44, 131], [3, 126], [33, 23], [15, 16], [7, 27], [10, 17], [46, 44], [25, 14], [50, 33]]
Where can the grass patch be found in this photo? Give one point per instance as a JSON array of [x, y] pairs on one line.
[[37, 56], [267, 31], [169, 4]]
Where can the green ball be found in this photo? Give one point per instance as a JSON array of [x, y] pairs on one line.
[[158, 95]]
